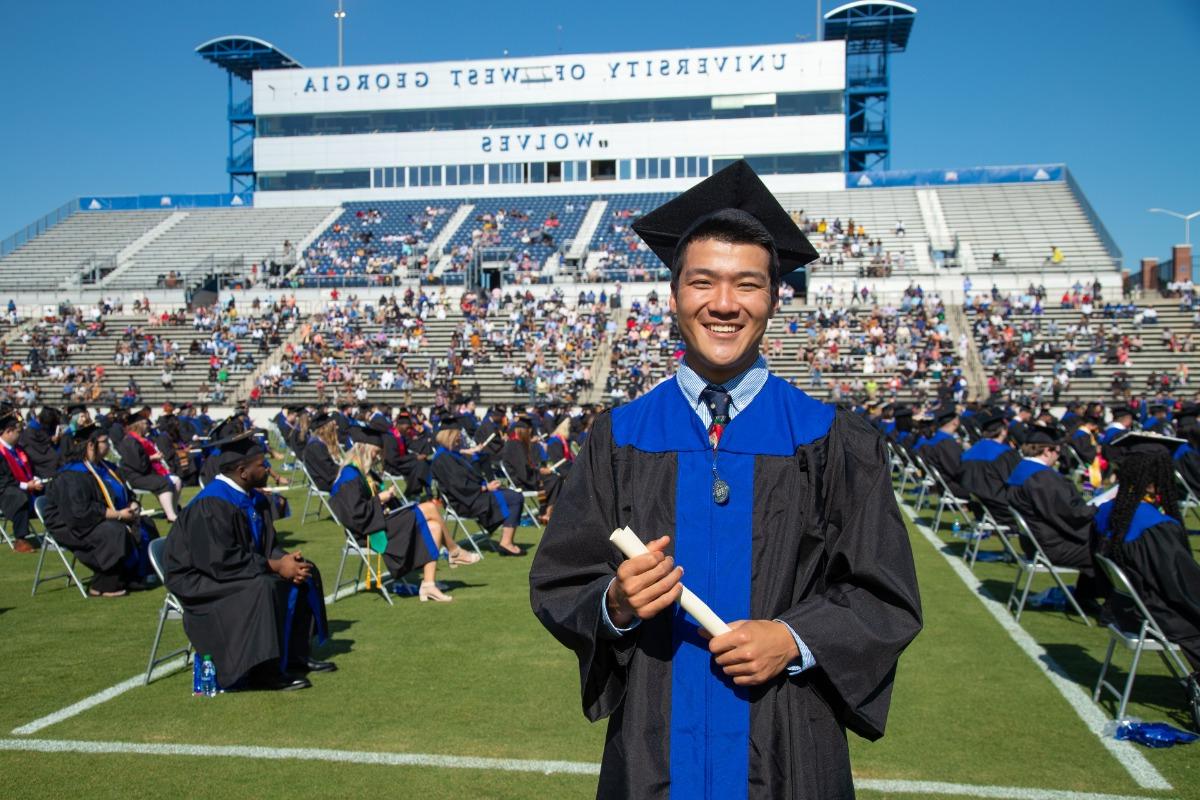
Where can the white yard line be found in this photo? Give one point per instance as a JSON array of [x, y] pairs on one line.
[[1080, 700], [503, 764]]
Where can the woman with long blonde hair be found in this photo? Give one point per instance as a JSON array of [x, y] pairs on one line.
[[415, 535]]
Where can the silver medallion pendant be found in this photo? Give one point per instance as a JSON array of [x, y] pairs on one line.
[[720, 491]]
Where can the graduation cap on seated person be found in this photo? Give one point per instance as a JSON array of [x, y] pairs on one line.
[[86, 432], [361, 434], [1121, 411], [992, 418], [523, 421], [236, 450], [320, 420], [381, 424], [944, 415], [734, 194], [1043, 434], [902, 411], [9, 420], [1146, 443], [76, 408]]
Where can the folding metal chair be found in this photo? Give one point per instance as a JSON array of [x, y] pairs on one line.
[[313, 491], [1148, 638], [1189, 501], [529, 499], [362, 553], [983, 526], [394, 480], [5, 535], [459, 525], [947, 500], [171, 609], [924, 478], [1040, 563], [48, 543]]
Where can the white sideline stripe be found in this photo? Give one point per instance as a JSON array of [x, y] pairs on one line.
[[504, 764], [132, 683], [99, 697], [972, 790], [1141, 770]]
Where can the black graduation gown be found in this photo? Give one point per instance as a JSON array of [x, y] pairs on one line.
[[235, 607], [524, 474], [1058, 516], [459, 479], [137, 470], [167, 445], [1156, 557], [1084, 444], [15, 503], [554, 482], [811, 535], [944, 453], [116, 433], [393, 460], [320, 464], [75, 509], [417, 471], [409, 542], [985, 470], [1018, 431], [43, 457]]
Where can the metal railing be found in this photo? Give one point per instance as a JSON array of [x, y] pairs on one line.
[[38, 227]]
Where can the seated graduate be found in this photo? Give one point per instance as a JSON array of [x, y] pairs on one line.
[[490, 436], [1187, 456], [1157, 421], [902, 432], [285, 421], [18, 485], [415, 534], [559, 456], [1058, 516], [524, 465], [1085, 441], [144, 467], [392, 440], [486, 502], [943, 451], [416, 463], [176, 447], [90, 511], [247, 602], [322, 451], [40, 440], [987, 464], [1122, 423], [297, 436], [1140, 530]]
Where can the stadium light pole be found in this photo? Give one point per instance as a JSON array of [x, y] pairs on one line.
[[1187, 221], [340, 16]]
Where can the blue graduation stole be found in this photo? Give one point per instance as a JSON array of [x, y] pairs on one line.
[[1024, 471], [986, 450], [246, 502]]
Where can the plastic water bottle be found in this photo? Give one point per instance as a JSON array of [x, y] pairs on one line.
[[956, 529], [208, 677]]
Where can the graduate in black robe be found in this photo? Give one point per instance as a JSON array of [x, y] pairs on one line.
[[1058, 516], [789, 518], [416, 465], [318, 459], [18, 485], [527, 471], [473, 497], [249, 604], [491, 436], [1141, 531], [987, 464], [944, 452], [39, 441], [143, 466], [90, 511], [211, 468], [1186, 459], [413, 535]]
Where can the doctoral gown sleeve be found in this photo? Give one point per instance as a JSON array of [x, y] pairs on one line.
[[1060, 506], [572, 569], [1163, 558], [133, 458], [868, 608], [213, 538]]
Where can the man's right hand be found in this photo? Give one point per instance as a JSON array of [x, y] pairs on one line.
[[292, 567], [645, 585]]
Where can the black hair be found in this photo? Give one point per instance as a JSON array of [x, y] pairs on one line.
[[49, 417], [732, 226], [1136, 473]]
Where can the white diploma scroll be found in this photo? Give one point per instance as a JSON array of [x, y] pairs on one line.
[[629, 544], [487, 441]]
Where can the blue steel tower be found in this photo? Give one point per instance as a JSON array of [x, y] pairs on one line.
[[240, 56], [873, 30]]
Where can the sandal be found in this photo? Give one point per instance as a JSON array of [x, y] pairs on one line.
[[461, 557], [430, 591], [120, 593]]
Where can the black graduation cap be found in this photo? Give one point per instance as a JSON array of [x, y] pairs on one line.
[[360, 434], [734, 192], [944, 415], [1121, 411], [1188, 410], [902, 411], [1043, 434], [523, 421], [377, 423], [296, 409], [236, 449], [1148, 443], [450, 423], [76, 408], [1156, 407], [85, 432], [320, 420], [9, 420]]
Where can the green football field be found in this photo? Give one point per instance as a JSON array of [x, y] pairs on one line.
[[474, 699]]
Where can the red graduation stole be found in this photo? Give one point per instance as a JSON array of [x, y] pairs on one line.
[[566, 446], [399, 440], [150, 450], [18, 463]]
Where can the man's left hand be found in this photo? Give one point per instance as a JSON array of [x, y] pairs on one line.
[[755, 651]]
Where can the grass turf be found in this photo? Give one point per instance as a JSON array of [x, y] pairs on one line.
[[480, 677]]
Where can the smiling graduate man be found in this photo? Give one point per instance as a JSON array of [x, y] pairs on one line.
[[775, 508]]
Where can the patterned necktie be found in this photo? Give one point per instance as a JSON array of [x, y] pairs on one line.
[[717, 400]]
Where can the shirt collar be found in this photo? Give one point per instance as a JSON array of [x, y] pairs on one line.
[[229, 482], [742, 388]]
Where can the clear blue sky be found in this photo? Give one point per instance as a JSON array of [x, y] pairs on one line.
[[109, 98]]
